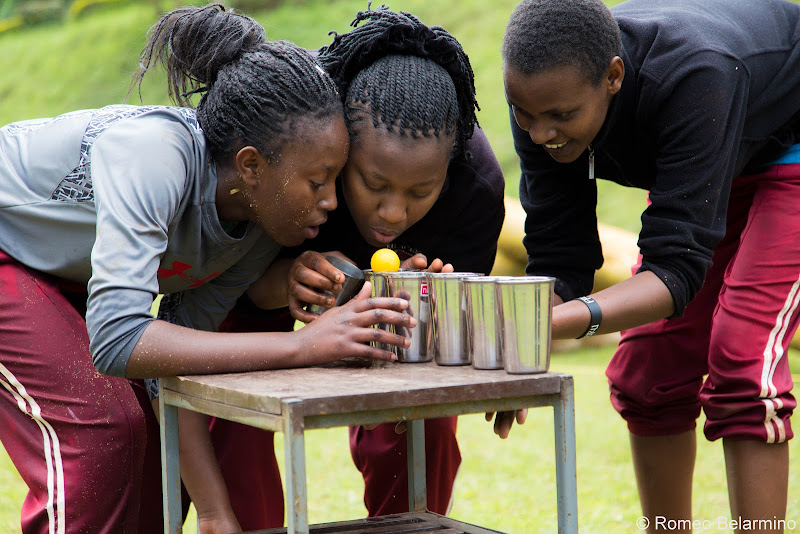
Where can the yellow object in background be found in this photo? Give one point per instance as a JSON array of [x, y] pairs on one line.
[[385, 260]]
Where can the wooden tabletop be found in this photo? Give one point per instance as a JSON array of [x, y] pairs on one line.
[[352, 387]]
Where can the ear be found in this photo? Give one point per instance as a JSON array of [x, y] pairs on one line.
[[615, 75], [250, 165]]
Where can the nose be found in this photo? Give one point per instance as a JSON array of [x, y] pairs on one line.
[[392, 209], [540, 131], [328, 201]]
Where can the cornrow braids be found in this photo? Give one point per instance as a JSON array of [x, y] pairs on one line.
[[546, 34], [253, 91], [411, 78]]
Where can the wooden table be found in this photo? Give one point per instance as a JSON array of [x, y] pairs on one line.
[[294, 400]]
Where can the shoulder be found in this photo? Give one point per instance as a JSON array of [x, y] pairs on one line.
[[478, 172]]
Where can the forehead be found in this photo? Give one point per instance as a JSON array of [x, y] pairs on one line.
[[390, 155], [317, 143]]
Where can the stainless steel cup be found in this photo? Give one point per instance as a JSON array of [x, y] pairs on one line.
[[526, 312], [449, 313], [353, 282], [413, 287], [483, 322]]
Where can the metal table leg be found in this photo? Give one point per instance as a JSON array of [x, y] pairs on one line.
[[171, 467], [417, 488], [295, 452], [566, 476]]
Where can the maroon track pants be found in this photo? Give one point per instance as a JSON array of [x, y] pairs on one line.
[[728, 353], [85, 444]]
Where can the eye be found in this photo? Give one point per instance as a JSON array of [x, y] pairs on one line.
[[316, 186], [419, 194], [377, 188]]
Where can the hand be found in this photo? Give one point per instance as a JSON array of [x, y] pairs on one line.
[[218, 525], [344, 331], [505, 420], [310, 275], [420, 262], [399, 429]]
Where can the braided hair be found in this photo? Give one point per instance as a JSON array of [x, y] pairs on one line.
[[254, 91], [412, 79], [545, 34]]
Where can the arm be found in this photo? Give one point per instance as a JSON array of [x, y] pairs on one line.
[[166, 349], [201, 475], [270, 291]]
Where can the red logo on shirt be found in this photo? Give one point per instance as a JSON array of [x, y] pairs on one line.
[[180, 268]]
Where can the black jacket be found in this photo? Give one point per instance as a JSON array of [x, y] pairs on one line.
[[711, 89]]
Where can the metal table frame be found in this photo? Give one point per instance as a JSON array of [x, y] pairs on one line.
[[294, 400]]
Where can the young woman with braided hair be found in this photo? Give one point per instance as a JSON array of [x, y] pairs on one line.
[[422, 179], [104, 209]]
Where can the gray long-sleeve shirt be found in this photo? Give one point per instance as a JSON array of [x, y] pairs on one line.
[[123, 199]]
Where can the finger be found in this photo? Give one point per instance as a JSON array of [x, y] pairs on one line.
[[417, 261], [370, 427], [363, 350], [369, 304], [436, 266], [317, 278], [379, 335], [297, 310], [307, 295], [489, 416], [522, 415], [363, 294], [448, 268], [503, 424], [401, 427]]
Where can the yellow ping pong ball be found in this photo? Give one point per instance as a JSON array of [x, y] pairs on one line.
[[385, 260]]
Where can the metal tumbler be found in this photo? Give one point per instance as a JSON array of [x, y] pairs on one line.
[[353, 282], [449, 312], [483, 323], [526, 312], [413, 287]]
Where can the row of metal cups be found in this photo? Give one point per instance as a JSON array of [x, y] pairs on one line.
[[490, 322]]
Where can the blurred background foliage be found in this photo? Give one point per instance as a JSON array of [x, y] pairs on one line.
[[77, 54]]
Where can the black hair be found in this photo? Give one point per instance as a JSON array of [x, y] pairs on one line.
[[545, 34], [413, 79], [254, 91]]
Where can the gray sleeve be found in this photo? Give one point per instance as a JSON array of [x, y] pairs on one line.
[[139, 176]]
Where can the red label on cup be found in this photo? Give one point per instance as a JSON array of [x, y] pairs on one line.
[[423, 289]]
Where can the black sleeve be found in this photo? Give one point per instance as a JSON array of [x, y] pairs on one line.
[[560, 203], [697, 121]]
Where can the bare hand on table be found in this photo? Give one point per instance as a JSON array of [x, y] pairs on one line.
[[344, 331], [505, 420]]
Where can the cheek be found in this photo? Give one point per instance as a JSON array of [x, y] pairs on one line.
[[418, 208]]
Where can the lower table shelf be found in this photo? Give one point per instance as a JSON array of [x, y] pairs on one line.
[[394, 524]]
